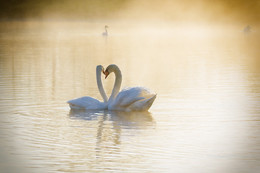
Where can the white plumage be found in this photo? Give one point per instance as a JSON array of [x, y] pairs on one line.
[[87, 102], [129, 99], [132, 99], [90, 103]]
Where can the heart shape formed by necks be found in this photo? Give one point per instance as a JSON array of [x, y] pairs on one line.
[[129, 99]]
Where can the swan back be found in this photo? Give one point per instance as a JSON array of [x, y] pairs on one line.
[[142, 105], [86, 102], [133, 99]]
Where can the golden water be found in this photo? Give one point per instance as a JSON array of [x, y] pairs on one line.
[[205, 117]]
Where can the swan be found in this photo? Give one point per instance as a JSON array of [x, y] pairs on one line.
[[129, 99], [105, 33], [247, 29], [90, 103]]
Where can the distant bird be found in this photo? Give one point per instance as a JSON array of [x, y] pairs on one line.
[[247, 29], [105, 33]]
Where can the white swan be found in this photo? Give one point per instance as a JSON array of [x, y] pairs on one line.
[[129, 99], [105, 33], [90, 103]]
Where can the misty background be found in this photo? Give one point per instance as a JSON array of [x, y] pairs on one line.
[[242, 12]]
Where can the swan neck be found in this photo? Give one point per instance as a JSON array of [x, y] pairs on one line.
[[100, 85], [117, 84]]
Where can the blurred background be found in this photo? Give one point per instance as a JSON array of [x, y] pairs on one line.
[[223, 11]]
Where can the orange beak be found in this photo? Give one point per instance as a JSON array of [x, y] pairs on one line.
[[106, 73]]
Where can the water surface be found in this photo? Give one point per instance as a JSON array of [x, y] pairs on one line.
[[205, 118]]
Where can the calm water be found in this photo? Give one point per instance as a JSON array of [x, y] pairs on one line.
[[206, 118]]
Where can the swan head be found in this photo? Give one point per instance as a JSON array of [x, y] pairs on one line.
[[106, 73], [106, 26], [100, 68], [111, 68]]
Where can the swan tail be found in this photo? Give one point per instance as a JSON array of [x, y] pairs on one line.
[[87, 103], [73, 106], [142, 105], [78, 103], [150, 102]]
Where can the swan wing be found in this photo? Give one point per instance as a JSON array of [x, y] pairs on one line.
[[134, 98], [128, 96], [142, 105], [86, 102]]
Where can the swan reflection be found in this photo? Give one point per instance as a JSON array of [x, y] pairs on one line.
[[112, 127], [127, 119]]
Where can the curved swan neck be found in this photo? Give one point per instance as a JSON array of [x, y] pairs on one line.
[[99, 83], [117, 83]]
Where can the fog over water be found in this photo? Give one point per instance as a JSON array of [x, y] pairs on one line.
[[201, 58], [227, 11]]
